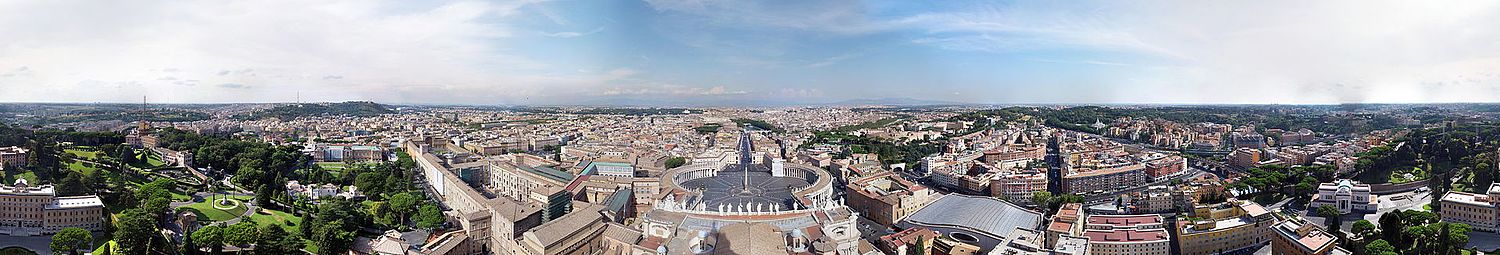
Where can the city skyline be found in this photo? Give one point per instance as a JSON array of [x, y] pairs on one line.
[[715, 53]]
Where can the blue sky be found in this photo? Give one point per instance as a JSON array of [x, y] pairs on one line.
[[747, 52]]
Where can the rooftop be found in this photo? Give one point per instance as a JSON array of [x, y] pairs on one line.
[[1219, 225], [992, 216], [1467, 198], [1308, 237], [76, 202], [1124, 220], [1126, 235]]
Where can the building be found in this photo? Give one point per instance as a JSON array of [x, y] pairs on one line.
[[1155, 199], [1225, 227], [1127, 235], [1482, 212], [188, 221], [1243, 158], [1300, 238], [1248, 140], [979, 221], [1067, 222], [397, 243], [12, 157], [30, 211], [1160, 167], [1014, 155], [972, 179], [334, 153], [1303, 136], [740, 205], [887, 198], [1018, 187], [1030, 242], [1109, 178], [609, 169], [1346, 195], [899, 242]]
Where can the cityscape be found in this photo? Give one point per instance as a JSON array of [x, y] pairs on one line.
[[717, 127]]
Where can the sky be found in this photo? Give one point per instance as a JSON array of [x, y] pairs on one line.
[[537, 52]]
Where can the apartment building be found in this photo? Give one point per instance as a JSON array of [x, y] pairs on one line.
[[1127, 235], [1244, 158], [1018, 187], [1106, 178]]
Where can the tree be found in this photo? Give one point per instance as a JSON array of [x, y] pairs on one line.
[[70, 240], [918, 247], [1458, 236], [211, 236], [158, 207], [189, 247], [93, 181], [1330, 215], [331, 238], [429, 217], [403, 204], [134, 231], [242, 233], [371, 183], [1379, 247], [1364, 229], [1041, 198], [263, 196], [273, 240], [1305, 188], [126, 155], [1391, 225], [72, 185], [1415, 217], [675, 162], [1418, 238]]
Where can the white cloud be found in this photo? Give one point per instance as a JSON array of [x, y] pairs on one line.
[[330, 50], [574, 34], [1253, 51]]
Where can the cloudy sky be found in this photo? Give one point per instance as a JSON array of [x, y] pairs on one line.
[[584, 51]]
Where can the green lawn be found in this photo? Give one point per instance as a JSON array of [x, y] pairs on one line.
[[28, 175], [16, 251], [81, 167], [207, 213], [286, 220], [85, 154], [155, 160], [100, 245], [333, 166], [152, 161]]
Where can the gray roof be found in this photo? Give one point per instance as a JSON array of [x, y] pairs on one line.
[[989, 215]]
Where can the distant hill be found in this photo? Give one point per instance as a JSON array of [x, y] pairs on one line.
[[895, 102], [352, 108]]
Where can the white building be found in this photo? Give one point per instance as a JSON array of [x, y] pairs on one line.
[[1346, 195]]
